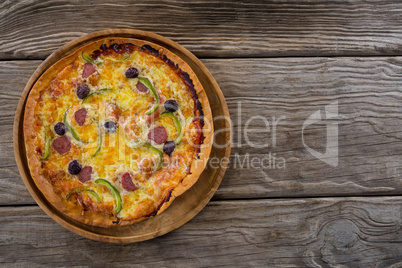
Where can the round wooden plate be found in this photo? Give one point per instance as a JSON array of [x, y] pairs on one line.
[[183, 208]]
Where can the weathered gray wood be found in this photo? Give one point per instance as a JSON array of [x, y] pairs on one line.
[[34, 29], [13, 77], [370, 125], [319, 232], [369, 94]]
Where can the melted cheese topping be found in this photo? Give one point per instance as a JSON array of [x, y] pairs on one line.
[[121, 151]]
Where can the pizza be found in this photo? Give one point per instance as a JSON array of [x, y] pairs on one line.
[[116, 131]]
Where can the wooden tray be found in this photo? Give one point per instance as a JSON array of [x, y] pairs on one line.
[[183, 208]]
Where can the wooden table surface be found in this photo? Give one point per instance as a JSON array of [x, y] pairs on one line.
[[274, 60]]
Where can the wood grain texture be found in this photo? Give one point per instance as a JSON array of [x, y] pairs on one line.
[[368, 91], [318, 232], [369, 96], [13, 77], [34, 29]]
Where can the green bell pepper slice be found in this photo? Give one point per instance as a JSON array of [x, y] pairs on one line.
[[89, 59], [125, 57], [48, 140], [72, 130], [149, 146], [98, 148], [177, 124], [114, 192], [153, 91], [100, 91], [91, 192]]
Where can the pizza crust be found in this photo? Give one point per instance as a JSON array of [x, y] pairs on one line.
[[90, 217]]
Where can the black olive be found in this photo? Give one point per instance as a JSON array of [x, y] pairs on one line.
[[103, 47], [83, 91], [60, 129], [74, 167], [171, 106], [116, 47], [96, 54], [110, 127], [168, 147], [131, 72]]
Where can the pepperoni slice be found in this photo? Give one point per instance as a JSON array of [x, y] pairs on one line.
[[141, 87], [62, 144], [80, 116], [158, 134], [88, 70], [127, 182], [85, 174]]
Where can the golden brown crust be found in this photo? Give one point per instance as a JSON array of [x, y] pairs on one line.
[[69, 208]]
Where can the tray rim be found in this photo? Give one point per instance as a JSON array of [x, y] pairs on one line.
[[18, 120]]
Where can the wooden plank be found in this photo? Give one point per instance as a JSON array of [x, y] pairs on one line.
[[34, 29], [368, 91], [369, 96], [13, 77], [319, 232]]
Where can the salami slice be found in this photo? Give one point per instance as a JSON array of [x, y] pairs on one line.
[[88, 70], [158, 134], [141, 87], [80, 116], [127, 182], [85, 174], [62, 144]]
